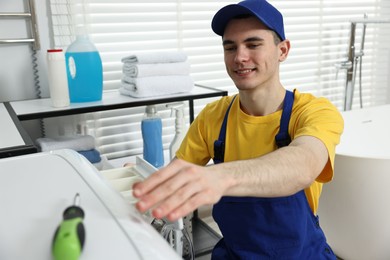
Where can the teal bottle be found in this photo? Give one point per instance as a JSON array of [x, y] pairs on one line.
[[84, 71]]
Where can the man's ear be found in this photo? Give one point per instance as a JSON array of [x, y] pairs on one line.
[[284, 48]]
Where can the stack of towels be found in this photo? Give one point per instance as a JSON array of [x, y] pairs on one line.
[[83, 144], [156, 73]]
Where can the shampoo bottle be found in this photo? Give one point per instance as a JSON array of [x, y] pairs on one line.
[[84, 70], [151, 127]]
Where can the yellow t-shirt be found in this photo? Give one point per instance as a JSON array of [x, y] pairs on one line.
[[253, 136]]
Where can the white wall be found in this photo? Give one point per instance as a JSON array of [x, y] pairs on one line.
[[388, 80], [16, 69]]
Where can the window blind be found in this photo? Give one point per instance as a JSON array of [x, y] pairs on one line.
[[318, 31]]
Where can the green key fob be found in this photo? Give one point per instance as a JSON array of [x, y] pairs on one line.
[[69, 237]]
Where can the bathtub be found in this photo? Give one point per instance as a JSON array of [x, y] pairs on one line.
[[354, 208]]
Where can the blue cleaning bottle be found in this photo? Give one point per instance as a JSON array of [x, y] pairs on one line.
[[84, 70], [151, 127]]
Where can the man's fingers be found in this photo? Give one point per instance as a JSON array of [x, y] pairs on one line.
[[156, 179], [163, 193], [175, 191], [177, 198], [189, 206]]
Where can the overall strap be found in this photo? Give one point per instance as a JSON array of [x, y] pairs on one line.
[[219, 145], [283, 138]]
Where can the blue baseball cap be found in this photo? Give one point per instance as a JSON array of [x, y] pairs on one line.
[[264, 11]]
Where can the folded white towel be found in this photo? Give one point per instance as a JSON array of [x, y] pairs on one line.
[[156, 69], [155, 86], [76, 142], [156, 57]]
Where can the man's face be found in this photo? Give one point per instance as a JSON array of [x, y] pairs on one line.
[[251, 55]]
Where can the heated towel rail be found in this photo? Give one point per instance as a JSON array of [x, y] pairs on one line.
[[30, 15]]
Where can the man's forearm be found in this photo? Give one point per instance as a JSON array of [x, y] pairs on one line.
[[280, 173]]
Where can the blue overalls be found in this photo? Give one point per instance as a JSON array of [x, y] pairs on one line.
[[268, 228]]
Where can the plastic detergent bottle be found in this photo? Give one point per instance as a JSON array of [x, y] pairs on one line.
[[58, 82], [180, 129], [151, 127], [84, 70]]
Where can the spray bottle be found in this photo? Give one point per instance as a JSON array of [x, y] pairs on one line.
[[182, 229], [180, 128], [151, 127]]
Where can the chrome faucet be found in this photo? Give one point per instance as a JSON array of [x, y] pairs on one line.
[[353, 58]]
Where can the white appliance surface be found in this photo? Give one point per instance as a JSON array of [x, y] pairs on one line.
[[36, 189]]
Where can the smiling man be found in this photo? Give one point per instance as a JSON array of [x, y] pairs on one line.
[[272, 149]]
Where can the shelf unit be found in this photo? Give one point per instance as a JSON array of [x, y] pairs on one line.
[[14, 139], [204, 237], [112, 99]]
